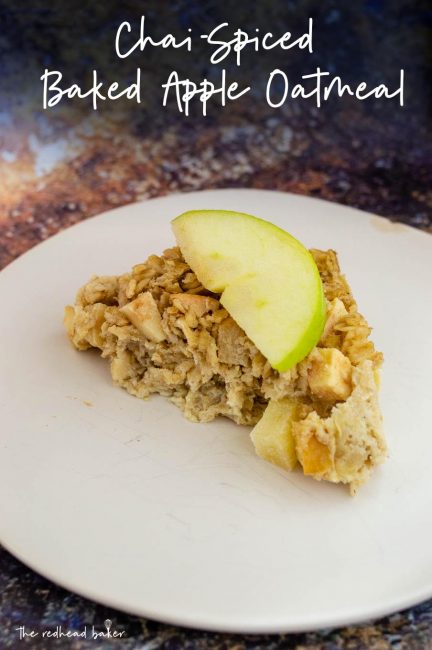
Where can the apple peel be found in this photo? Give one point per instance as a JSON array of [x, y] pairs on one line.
[[268, 281]]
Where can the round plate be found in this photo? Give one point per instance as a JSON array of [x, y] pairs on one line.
[[126, 502]]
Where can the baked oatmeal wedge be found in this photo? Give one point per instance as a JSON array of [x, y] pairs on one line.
[[163, 332]]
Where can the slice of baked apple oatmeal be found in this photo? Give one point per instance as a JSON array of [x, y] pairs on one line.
[[163, 332]]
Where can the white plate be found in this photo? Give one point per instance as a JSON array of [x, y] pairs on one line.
[[128, 503]]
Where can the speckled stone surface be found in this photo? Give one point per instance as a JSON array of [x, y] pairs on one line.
[[58, 168]]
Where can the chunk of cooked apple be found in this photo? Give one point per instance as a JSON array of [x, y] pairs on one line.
[[272, 436], [269, 281]]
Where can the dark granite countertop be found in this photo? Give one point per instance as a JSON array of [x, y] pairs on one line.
[[58, 168]]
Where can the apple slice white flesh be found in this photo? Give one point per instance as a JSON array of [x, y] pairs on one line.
[[269, 281]]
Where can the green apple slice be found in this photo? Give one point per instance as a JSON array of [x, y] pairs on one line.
[[269, 281]]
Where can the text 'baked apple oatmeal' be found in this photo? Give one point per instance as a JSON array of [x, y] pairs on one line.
[[164, 332]]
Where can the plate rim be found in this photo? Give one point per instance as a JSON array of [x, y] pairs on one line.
[[217, 627], [338, 206]]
